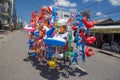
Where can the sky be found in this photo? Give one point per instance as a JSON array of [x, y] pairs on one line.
[[98, 9]]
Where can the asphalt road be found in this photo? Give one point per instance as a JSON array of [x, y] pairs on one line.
[[13, 64]]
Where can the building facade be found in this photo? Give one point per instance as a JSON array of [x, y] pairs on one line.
[[6, 13], [107, 33]]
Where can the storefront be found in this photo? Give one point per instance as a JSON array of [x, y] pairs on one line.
[[107, 37]]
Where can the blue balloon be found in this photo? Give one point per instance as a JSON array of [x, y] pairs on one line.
[[54, 41], [54, 11], [50, 32], [80, 24], [79, 17], [33, 55], [50, 52], [48, 21], [30, 42], [75, 57], [78, 39], [36, 33], [83, 52]]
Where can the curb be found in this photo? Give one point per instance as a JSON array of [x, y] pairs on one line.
[[1, 37], [113, 54], [110, 53]]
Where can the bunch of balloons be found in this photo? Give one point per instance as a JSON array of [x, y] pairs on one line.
[[52, 43]]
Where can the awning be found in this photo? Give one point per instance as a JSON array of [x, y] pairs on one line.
[[6, 14], [106, 29]]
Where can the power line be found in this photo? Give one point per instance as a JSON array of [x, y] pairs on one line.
[[92, 5], [113, 16], [112, 12], [107, 10], [36, 6]]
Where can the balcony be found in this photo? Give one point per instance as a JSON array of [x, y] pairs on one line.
[[1, 1]]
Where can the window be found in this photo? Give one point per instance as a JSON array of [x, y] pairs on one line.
[[66, 15]]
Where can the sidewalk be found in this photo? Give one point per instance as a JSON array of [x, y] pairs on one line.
[[4, 33], [110, 53]]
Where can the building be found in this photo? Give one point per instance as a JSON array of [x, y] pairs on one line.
[[1, 14], [63, 14], [107, 33], [63, 17], [6, 13]]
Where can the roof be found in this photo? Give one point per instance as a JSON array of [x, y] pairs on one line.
[[106, 22], [108, 27], [102, 21]]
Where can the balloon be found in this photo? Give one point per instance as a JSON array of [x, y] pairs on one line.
[[70, 20], [89, 23], [36, 33], [75, 57], [62, 30], [83, 52], [32, 15], [49, 9], [31, 35], [50, 52], [54, 11], [55, 59], [51, 43], [78, 41], [31, 41], [29, 29], [90, 39], [55, 32], [50, 32], [71, 54], [33, 55], [43, 8], [60, 56], [52, 64], [78, 58], [89, 52], [55, 41], [74, 27]]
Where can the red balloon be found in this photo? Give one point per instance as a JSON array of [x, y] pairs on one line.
[[43, 8], [32, 15], [83, 36], [89, 52], [74, 27], [90, 39], [88, 23]]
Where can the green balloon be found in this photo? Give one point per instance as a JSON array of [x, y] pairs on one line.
[[71, 54], [70, 37]]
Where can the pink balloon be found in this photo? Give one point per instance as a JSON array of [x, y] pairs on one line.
[[78, 58], [29, 29]]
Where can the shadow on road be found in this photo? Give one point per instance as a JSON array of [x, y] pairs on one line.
[[54, 74]]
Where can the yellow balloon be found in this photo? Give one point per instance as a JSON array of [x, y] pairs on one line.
[[52, 64], [55, 59]]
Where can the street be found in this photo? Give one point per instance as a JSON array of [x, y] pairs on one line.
[[13, 66]]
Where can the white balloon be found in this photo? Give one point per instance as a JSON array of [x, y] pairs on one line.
[[60, 56]]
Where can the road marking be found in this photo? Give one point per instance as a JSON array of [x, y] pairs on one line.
[[80, 68]]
